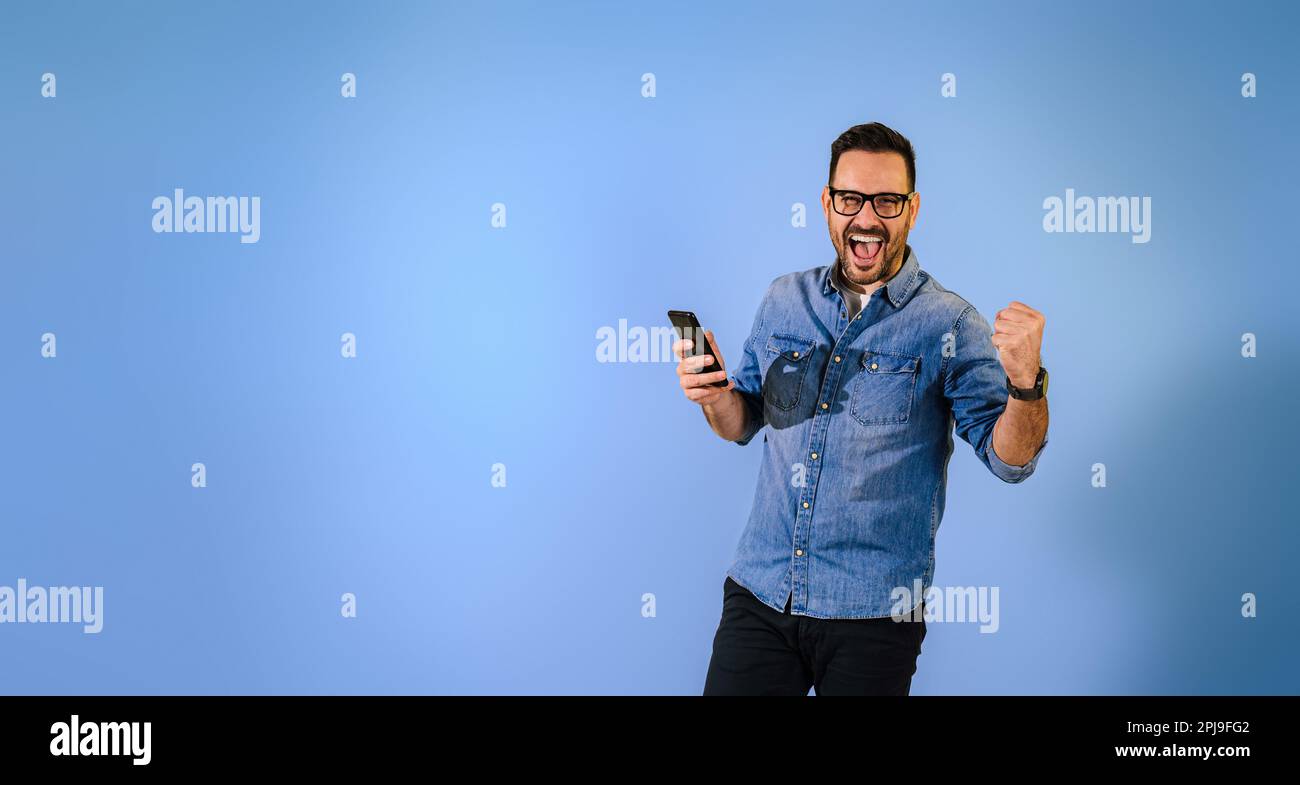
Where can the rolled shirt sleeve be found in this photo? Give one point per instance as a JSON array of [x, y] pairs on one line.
[[976, 387], [749, 380]]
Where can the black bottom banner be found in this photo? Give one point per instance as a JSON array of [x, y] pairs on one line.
[[208, 734]]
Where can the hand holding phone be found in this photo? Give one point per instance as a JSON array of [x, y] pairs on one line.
[[701, 370]]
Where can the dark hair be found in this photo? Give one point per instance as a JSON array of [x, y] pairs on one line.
[[875, 138]]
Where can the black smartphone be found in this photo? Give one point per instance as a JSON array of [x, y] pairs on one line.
[[688, 328]]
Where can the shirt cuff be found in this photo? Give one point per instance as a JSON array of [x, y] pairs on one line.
[[753, 416], [1009, 473]]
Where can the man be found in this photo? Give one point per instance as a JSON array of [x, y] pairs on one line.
[[861, 369]]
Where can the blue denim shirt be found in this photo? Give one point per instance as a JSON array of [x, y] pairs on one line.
[[860, 415]]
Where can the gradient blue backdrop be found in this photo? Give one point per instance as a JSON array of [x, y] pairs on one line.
[[477, 345]]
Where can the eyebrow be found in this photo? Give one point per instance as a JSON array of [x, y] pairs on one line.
[[868, 193]]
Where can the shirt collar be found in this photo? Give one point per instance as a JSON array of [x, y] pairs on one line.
[[897, 289]]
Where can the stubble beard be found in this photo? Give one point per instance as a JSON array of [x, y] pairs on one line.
[[884, 271]]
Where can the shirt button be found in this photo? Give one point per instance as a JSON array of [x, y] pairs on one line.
[[873, 366], [798, 552], [805, 505], [837, 358], [796, 355], [843, 314], [859, 316], [814, 456], [826, 406]]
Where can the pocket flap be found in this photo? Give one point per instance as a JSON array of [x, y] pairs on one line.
[[790, 347], [889, 362]]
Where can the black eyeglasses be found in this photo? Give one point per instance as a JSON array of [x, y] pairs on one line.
[[885, 205]]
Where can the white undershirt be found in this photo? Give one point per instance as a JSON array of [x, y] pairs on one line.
[[852, 299]]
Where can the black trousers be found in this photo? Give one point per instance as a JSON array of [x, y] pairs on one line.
[[760, 651]]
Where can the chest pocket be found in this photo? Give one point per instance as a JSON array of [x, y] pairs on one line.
[[789, 357], [884, 387]]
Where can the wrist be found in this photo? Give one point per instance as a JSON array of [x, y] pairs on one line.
[[717, 402], [1028, 390]]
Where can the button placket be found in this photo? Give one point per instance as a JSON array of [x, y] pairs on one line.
[[803, 518]]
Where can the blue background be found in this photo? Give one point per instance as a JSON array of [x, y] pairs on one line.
[[477, 345]]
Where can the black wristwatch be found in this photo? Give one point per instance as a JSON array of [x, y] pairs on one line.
[[1039, 390]]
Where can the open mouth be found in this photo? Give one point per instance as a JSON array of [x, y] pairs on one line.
[[866, 248]]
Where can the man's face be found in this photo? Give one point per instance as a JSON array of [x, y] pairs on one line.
[[867, 263]]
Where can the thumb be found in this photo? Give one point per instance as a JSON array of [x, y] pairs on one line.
[[716, 351]]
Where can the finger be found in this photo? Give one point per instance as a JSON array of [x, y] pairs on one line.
[[1022, 306], [705, 385], [680, 346], [1002, 327], [706, 394], [697, 363], [693, 365], [700, 379], [1016, 315]]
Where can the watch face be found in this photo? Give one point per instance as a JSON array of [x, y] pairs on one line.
[[1044, 381]]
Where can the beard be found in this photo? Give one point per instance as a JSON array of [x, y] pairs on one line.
[[891, 259]]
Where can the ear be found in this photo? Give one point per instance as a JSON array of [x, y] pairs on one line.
[[826, 201], [914, 208]]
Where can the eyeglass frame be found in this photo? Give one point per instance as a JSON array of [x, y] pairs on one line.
[[871, 199]]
